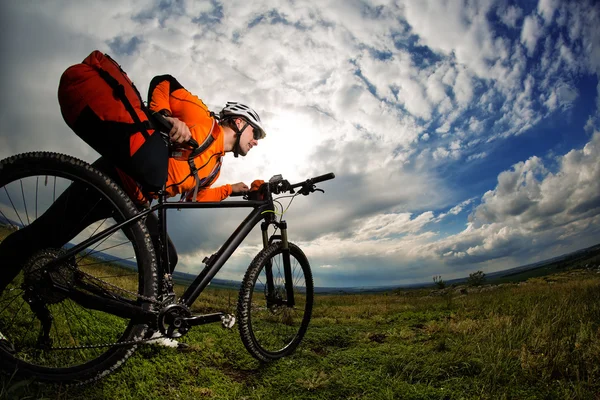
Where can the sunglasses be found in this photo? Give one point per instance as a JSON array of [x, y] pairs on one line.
[[257, 134]]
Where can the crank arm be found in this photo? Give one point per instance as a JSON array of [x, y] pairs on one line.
[[203, 319]]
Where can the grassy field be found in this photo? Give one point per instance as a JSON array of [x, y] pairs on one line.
[[538, 339]]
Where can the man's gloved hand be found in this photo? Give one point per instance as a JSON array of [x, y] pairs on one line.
[[256, 184], [254, 193]]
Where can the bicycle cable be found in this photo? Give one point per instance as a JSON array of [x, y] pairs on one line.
[[293, 196]]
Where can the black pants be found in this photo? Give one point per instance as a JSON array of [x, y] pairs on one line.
[[74, 210]]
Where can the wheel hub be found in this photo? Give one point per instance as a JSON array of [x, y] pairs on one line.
[[275, 301], [38, 279]]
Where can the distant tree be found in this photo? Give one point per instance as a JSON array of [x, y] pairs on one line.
[[476, 278], [439, 282]]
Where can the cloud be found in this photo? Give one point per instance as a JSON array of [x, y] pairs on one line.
[[532, 31], [531, 206], [589, 125], [457, 209], [522, 216], [546, 9], [385, 225], [399, 99], [510, 15]]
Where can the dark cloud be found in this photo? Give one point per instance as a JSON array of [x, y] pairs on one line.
[[213, 17], [128, 46], [34, 57]]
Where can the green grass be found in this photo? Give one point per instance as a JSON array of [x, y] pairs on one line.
[[535, 340], [5, 230]]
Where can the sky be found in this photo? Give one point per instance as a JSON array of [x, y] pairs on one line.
[[464, 135]]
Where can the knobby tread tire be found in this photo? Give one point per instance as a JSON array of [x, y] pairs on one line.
[[245, 301], [62, 165]]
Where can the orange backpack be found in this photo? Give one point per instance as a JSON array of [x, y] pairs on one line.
[[104, 108]]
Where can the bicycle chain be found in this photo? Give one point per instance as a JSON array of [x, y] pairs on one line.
[[153, 301], [116, 344]]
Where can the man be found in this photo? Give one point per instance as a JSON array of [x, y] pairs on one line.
[[237, 130]]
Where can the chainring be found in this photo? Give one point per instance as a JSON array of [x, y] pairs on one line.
[[171, 321]]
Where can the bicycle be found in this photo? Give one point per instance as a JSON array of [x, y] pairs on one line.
[[74, 313]]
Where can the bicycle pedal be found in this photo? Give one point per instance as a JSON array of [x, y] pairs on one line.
[[228, 321]]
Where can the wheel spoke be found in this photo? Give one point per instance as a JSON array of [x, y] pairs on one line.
[[8, 220], [13, 206], [10, 300], [37, 180], [273, 332], [25, 204]]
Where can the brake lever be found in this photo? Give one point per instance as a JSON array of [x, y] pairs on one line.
[[306, 190]]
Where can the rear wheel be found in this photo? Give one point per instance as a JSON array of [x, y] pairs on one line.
[[269, 325], [48, 203]]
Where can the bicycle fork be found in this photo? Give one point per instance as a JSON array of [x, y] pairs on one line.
[[287, 268]]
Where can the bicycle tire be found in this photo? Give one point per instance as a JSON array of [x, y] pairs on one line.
[[72, 325], [270, 332]]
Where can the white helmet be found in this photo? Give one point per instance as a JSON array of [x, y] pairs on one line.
[[233, 109]]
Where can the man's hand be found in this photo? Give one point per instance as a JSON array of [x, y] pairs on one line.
[[239, 187], [256, 184], [179, 132]]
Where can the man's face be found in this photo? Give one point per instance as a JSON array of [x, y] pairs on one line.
[[247, 140]]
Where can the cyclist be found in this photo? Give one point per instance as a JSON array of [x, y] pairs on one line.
[[237, 130]]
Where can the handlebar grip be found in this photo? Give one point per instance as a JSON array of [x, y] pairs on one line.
[[192, 143], [165, 125], [314, 180], [323, 178]]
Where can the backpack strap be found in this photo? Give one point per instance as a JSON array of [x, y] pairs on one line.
[[119, 92], [128, 80], [207, 142]]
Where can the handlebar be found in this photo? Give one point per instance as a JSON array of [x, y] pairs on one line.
[[317, 179], [278, 185], [165, 126]]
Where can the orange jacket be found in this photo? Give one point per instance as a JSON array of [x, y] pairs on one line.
[[166, 95]]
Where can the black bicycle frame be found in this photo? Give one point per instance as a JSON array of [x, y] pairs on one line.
[[217, 260], [130, 309]]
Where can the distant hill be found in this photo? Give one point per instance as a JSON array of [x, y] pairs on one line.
[[579, 258], [186, 279], [111, 259], [9, 223], [583, 256]]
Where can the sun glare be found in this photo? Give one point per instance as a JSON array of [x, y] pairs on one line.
[[292, 138]]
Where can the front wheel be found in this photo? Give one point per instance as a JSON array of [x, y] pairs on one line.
[[273, 318]]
